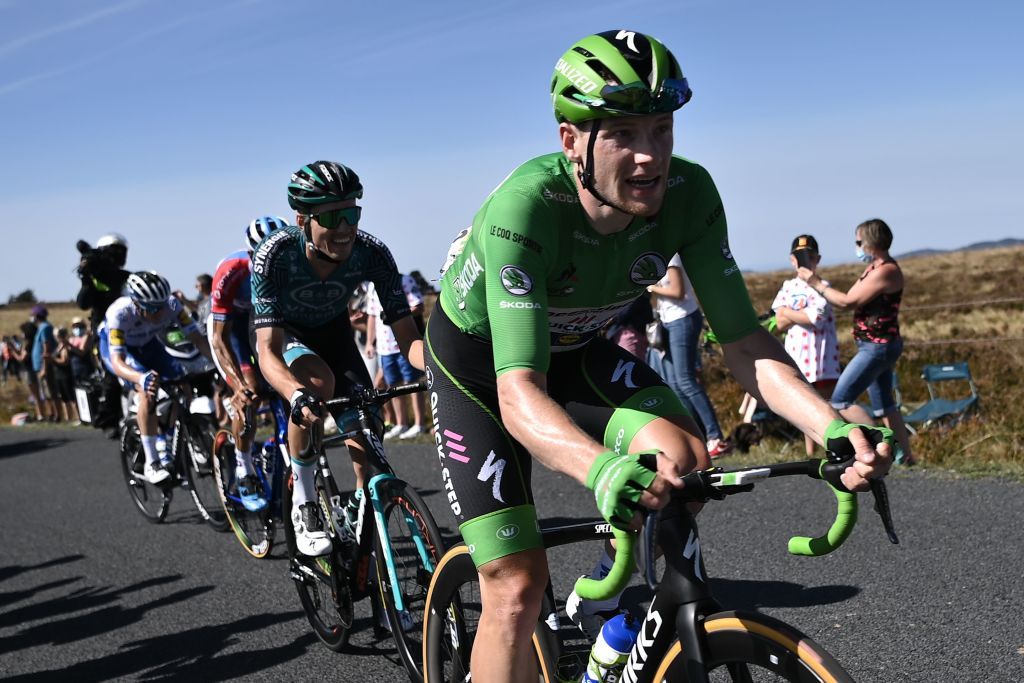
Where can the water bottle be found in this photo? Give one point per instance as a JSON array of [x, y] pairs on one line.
[[611, 650], [161, 449]]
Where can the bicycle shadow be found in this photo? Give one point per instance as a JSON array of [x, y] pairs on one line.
[[55, 630], [13, 450], [190, 655]]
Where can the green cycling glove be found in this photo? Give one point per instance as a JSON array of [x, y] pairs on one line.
[[837, 436], [618, 481]]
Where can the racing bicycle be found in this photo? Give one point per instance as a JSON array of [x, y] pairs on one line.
[[255, 529], [388, 556], [189, 445], [686, 635]]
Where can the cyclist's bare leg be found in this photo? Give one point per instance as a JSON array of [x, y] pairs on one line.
[[146, 415], [314, 374], [357, 449], [242, 439], [511, 590]]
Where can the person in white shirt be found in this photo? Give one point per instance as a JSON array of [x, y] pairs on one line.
[[380, 340], [683, 320], [809, 323]]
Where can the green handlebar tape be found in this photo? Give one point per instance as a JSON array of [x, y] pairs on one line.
[[842, 527], [618, 577]]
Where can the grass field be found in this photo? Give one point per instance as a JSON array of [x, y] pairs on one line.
[[957, 306]]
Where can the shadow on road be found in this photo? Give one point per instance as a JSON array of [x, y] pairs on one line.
[[54, 630], [13, 570], [189, 655], [13, 450]]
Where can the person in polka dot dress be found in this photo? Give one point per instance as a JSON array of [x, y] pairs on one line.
[[809, 323]]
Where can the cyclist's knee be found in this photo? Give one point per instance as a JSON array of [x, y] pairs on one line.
[[512, 588], [678, 437]]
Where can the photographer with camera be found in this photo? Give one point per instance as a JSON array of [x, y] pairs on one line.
[[103, 276], [102, 273]]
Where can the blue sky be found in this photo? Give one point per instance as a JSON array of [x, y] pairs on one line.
[[176, 123]]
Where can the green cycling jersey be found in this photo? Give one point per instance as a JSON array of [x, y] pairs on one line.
[[533, 277]]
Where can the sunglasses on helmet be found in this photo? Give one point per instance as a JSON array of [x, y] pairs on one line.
[[333, 218], [637, 98]]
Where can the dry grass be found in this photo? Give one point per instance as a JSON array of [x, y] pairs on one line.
[[937, 326], [937, 287]]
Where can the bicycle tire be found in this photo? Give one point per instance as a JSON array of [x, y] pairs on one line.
[[254, 530], [449, 622], [152, 500], [195, 457], [740, 640], [322, 583], [403, 508]]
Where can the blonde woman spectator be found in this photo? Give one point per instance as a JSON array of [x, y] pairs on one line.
[[809, 323]]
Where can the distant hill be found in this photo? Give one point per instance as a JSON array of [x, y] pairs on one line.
[[977, 246]]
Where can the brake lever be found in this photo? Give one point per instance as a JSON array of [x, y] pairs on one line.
[[884, 510]]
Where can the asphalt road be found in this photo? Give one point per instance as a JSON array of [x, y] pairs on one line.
[[90, 591]]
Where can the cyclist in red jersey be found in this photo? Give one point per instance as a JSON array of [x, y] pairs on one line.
[[228, 332]]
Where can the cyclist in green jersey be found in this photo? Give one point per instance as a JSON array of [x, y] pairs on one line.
[[302, 280], [517, 369]]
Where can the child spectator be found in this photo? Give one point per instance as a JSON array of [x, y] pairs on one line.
[[809, 323]]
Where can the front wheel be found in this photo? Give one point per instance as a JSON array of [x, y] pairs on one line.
[[195, 453], [414, 548], [152, 500], [450, 618], [323, 583], [254, 530], [743, 646]]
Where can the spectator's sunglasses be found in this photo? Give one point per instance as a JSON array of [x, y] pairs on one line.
[[332, 219]]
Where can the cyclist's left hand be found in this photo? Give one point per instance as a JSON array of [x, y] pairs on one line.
[[871, 460]]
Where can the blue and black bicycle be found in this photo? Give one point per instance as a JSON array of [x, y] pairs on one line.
[[388, 552], [255, 529]]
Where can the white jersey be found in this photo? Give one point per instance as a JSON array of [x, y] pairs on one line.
[[126, 326]]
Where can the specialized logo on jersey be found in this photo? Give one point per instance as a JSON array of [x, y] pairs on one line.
[[430, 378], [647, 269], [516, 281], [724, 248]]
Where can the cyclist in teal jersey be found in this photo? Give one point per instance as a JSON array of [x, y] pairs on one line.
[[302, 279], [515, 364]]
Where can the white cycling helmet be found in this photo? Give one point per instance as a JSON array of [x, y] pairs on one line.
[[147, 287], [260, 228], [112, 239]]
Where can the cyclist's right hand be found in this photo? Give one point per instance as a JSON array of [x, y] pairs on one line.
[[306, 408], [622, 483], [242, 399]]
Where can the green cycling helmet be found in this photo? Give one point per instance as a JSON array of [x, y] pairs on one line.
[[322, 182], [617, 73]]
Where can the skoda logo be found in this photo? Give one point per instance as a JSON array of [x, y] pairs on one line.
[[651, 402], [647, 269], [516, 281], [507, 532]]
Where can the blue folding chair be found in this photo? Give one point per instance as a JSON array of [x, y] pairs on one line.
[[939, 409]]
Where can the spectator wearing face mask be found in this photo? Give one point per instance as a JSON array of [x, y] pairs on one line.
[[875, 299]]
